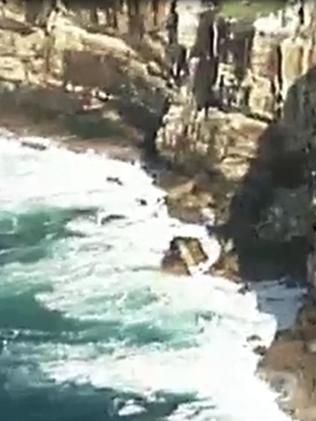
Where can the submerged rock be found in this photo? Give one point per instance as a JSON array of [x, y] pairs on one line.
[[114, 180], [34, 145], [142, 202], [106, 219]]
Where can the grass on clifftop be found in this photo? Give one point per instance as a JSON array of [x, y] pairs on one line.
[[249, 10]]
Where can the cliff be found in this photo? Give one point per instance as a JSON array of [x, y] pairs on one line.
[[251, 147], [246, 138], [98, 67]]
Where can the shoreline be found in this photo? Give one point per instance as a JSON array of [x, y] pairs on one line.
[[25, 127], [124, 130]]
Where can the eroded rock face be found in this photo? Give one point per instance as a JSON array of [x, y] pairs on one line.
[[57, 64], [253, 155], [190, 201], [258, 173], [224, 145], [290, 369]]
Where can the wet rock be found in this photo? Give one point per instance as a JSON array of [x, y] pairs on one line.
[[285, 384], [183, 253], [253, 338], [245, 288], [181, 189], [227, 267], [87, 212], [33, 145], [188, 209], [142, 202], [290, 368], [172, 263], [103, 220], [114, 180], [260, 350], [191, 202]]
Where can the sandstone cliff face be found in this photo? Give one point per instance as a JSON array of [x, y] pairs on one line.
[[258, 163], [254, 151], [108, 56]]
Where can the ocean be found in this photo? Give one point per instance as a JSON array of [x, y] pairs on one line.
[[91, 328]]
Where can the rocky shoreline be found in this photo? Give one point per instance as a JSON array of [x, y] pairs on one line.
[[245, 163]]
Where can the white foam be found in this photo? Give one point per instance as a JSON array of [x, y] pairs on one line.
[[111, 274], [131, 408]]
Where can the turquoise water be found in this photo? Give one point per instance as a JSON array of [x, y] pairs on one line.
[[89, 326]]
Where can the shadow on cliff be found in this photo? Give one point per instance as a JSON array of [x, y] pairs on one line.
[[280, 166], [52, 111]]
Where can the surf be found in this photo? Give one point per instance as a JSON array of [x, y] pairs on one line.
[[85, 304]]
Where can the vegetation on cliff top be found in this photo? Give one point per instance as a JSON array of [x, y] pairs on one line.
[[250, 9]]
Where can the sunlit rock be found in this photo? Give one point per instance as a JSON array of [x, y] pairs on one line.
[[183, 254]]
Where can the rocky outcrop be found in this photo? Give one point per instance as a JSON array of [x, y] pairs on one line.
[[191, 201], [290, 367], [219, 144], [192, 254], [223, 147], [183, 255]]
